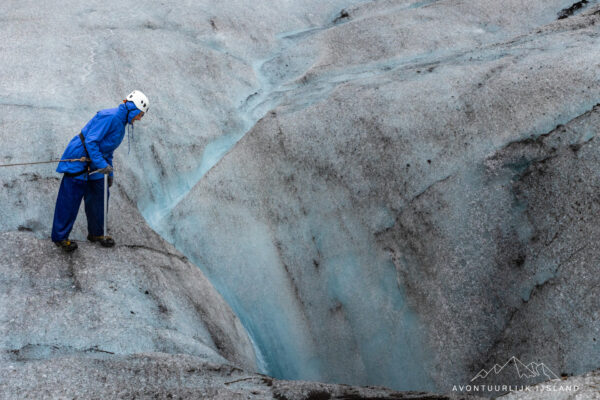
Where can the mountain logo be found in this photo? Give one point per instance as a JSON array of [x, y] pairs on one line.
[[531, 370]]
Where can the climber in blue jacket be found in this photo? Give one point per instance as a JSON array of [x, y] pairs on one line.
[[96, 143]]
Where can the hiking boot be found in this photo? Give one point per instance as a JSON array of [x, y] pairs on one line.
[[66, 245], [105, 241]]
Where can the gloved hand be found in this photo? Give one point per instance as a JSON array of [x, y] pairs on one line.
[[106, 170], [110, 181]]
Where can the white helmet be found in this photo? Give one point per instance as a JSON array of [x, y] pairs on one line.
[[139, 99]]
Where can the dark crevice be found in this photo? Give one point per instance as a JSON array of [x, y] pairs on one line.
[[243, 379], [421, 193], [28, 351], [499, 339], [539, 140], [521, 165], [535, 290], [318, 395], [166, 253], [158, 160], [222, 342], [568, 260], [569, 11], [34, 177], [73, 275], [342, 16], [32, 106], [251, 96], [95, 349], [393, 396]]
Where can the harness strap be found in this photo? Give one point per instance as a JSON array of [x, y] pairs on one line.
[[82, 138], [87, 166]]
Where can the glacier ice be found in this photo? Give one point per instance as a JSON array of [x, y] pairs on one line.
[[341, 146], [349, 184]]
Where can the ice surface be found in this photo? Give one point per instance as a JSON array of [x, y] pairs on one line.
[[342, 171], [408, 133]]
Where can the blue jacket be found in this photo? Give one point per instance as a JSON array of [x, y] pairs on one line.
[[103, 134]]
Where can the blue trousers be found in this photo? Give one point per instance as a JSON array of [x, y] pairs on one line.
[[67, 206]]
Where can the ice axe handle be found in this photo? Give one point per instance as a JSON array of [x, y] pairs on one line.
[[105, 201]]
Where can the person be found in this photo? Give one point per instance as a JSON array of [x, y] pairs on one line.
[[84, 179]]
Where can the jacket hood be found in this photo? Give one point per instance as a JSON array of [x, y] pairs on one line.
[[128, 110]]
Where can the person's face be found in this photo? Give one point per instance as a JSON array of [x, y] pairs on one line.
[[138, 117]]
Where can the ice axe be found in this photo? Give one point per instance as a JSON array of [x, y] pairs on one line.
[[105, 210], [105, 202]]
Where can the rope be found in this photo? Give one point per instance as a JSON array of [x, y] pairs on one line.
[[82, 159]]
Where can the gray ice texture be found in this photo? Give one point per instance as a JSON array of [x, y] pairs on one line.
[[397, 193]]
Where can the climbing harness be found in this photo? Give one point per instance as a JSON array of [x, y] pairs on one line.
[[87, 166]]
